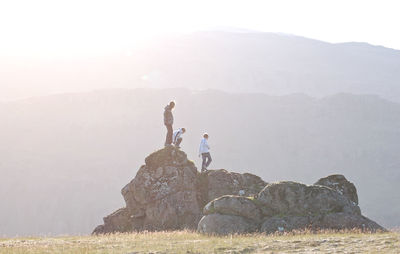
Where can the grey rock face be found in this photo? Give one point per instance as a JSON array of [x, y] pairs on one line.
[[221, 182], [347, 221], [288, 223], [340, 184], [119, 221], [168, 193], [177, 211], [234, 205], [287, 206], [222, 224], [336, 221], [163, 195], [293, 198]]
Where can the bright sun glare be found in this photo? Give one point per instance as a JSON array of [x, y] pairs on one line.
[[84, 27], [88, 27]]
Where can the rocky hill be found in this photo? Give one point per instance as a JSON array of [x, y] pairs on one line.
[[168, 193]]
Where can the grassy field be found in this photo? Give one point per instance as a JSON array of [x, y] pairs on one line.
[[190, 242]]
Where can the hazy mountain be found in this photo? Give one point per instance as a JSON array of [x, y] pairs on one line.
[[64, 158], [233, 61]]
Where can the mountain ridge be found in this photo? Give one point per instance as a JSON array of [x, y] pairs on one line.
[[233, 62]]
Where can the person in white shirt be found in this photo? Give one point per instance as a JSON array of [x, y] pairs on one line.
[[176, 138], [204, 151]]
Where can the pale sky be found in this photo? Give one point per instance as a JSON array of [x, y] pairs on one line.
[[53, 27]]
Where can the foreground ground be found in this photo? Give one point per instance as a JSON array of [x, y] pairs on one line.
[[188, 242]]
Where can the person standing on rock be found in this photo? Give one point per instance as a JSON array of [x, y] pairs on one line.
[[204, 151], [177, 139], [168, 121]]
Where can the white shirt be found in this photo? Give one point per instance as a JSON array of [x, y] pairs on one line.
[[204, 147], [177, 134]]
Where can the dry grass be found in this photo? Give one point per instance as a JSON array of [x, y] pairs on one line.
[[190, 242]]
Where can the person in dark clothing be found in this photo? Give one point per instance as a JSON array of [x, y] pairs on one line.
[[168, 121]]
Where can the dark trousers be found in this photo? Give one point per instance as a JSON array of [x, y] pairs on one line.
[[168, 139], [178, 142], [206, 161]]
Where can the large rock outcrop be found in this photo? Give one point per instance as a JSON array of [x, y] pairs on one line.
[[331, 203], [169, 193]]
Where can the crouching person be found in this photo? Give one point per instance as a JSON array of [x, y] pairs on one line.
[[177, 139], [204, 151]]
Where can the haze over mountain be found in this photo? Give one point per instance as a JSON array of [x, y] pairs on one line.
[[232, 61], [66, 157]]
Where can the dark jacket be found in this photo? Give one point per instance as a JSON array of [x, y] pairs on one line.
[[168, 117]]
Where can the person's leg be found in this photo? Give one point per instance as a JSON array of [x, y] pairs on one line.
[[209, 159], [178, 142], [203, 165], [168, 139]]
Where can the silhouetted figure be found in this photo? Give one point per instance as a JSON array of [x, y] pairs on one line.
[[204, 151], [168, 121], [177, 139]]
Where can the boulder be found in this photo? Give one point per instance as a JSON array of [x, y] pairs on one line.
[[168, 193], [234, 205], [180, 210], [340, 184], [335, 221], [347, 221], [292, 198], [222, 182], [118, 221], [221, 224], [163, 195], [169, 156], [284, 224], [287, 206]]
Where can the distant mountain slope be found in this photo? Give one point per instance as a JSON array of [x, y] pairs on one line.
[[275, 64], [65, 157]]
